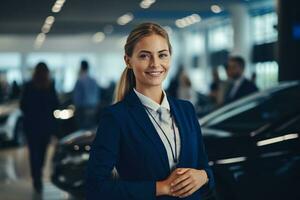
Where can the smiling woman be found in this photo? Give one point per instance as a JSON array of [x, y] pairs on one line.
[[150, 63], [153, 141]]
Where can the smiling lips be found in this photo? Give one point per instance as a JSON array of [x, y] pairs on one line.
[[154, 73]]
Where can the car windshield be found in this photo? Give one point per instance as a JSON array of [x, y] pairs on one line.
[[255, 111]]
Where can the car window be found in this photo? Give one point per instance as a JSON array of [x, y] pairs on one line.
[[253, 113]]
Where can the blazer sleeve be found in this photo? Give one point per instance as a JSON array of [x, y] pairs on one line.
[[203, 160], [103, 157]]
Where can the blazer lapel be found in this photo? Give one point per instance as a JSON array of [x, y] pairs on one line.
[[181, 124], [137, 111]]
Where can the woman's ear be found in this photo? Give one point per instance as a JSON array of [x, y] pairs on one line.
[[127, 61]]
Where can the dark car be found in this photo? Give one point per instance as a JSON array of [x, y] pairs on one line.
[[71, 155], [11, 123], [253, 147]]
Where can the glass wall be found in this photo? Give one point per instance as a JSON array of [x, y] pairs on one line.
[[265, 32]]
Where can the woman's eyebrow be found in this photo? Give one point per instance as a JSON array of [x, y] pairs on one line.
[[163, 50], [146, 51]]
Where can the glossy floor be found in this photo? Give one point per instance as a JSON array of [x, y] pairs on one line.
[[15, 181]]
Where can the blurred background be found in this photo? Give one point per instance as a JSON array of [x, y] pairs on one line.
[[52, 53]]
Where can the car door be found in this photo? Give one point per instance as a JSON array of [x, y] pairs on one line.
[[277, 162]]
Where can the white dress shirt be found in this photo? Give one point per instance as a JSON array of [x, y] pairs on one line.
[[236, 85], [153, 108]]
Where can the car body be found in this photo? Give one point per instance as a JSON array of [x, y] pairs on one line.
[[11, 123], [71, 155], [253, 147]]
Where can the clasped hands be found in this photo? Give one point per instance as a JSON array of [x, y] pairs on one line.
[[182, 182]]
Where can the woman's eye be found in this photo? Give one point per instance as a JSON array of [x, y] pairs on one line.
[[163, 55], [144, 56]]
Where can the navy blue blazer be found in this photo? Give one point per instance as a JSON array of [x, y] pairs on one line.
[[127, 139]]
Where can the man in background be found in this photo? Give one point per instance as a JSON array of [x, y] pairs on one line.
[[239, 86], [86, 98]]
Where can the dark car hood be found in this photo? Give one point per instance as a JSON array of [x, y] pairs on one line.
[[79, 137]]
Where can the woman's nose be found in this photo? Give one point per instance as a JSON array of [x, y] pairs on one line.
[[154, 61]]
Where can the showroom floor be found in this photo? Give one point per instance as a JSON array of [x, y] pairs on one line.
[[15, 182]]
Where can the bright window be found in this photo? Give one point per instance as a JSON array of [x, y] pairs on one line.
[[264, 28], [267, 74], [220, 37]]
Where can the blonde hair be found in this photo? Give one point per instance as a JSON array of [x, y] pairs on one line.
[[127, 80]]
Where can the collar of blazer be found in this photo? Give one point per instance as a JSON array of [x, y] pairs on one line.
[[137, 111]]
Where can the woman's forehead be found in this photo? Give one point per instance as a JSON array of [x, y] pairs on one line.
[[152, 42]]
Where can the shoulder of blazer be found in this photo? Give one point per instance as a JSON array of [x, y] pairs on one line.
[[181, 104], [117, 111]]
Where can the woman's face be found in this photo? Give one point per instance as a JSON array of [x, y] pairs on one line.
[[150, 61]]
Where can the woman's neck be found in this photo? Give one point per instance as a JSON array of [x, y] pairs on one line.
[[154, 93]]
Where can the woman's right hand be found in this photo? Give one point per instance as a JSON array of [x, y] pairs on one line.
[[164, 187]]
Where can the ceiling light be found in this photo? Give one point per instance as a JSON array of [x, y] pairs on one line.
[[60, 2], [41, 37], [49, 20], [187, 21], [179, 23], [56, 8], [39, 40], [125, 19], [143, 5], [146, 3], [98, 37], [46, 28], [216, 9], [196, 17]]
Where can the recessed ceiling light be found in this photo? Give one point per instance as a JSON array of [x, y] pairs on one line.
[[40, 39], [146, 3], [187, 21], [216, 9], [46, 28], [125, 19], [98, 37], [58, 5], [49, 20], [56, 8]]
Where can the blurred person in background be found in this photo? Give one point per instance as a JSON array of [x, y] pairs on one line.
[[4, 87], [174, 84], [86, 97], [15, 90], [253, 77], [185, 90], [238, 85], [38, 102], [215, 87]]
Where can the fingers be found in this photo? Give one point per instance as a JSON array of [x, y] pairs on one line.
[[180, 171], [178, 180], [181, 184], [186, 191], [187, 182]]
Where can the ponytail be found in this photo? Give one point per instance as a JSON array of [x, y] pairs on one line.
[[125, 84]]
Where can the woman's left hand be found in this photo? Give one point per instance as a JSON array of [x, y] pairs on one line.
[[189, 181]]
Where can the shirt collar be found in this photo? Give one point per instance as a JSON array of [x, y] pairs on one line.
[[148, 102], [239, 80]]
